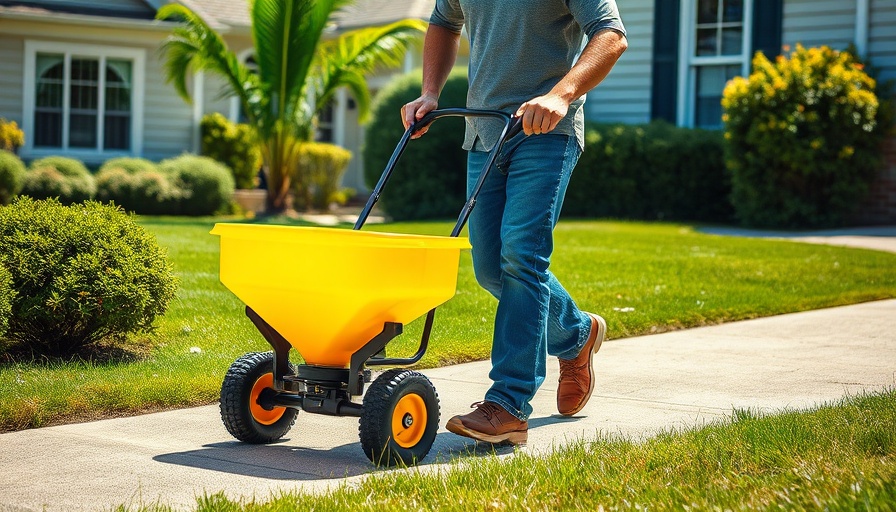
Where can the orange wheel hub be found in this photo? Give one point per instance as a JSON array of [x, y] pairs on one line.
[[259, 413], [409, 420]]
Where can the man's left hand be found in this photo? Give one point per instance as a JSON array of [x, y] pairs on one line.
[[542, 114]]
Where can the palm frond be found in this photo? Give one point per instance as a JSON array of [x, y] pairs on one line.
[[344, 61], [286, 34], [194, 46]]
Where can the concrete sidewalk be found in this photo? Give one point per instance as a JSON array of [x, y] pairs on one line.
[[879, 238], [645, 385]]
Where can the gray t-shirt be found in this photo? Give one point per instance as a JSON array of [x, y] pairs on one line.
[[520, 49]]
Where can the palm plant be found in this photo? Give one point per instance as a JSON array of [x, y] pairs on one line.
[[297, 73]]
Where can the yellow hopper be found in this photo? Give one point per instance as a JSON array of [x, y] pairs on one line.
[[329, 291]]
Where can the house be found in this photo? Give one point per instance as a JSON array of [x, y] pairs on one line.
[[681, 53], [84, 78], [103, 90]]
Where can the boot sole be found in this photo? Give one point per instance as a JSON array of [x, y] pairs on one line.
[[601, 325], [516, 438]]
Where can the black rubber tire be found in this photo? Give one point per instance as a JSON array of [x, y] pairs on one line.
[[379, 405], [235, 395]]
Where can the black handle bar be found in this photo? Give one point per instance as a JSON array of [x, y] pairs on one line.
[[512, 126]]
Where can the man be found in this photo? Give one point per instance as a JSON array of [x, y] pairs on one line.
[[526, 58]]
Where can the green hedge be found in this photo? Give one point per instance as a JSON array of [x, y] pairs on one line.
[[206, 185], [7, 294], [12, 176], [56, 176], [138, 186], [429, 181], [130, 165], [81, 273], [651, 172]]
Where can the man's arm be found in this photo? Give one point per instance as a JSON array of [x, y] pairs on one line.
[[439, 54], [542, 114]]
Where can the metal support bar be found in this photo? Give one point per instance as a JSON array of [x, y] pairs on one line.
[[359, 358], [331, 405], [278, 343]]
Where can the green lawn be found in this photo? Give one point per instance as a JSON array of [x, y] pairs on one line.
[[642, 277], [837, 457]]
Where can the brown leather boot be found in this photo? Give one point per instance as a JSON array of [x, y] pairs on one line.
[[490, 423], [577, 375]]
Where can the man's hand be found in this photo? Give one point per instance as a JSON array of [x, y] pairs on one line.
[[542, 114], [415, 110]]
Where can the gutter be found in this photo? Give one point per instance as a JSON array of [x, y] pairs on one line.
[[92, 21]]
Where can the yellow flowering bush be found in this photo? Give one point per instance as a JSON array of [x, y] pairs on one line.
[[317, 179], [804, 138], [11, 136], [233, 145]]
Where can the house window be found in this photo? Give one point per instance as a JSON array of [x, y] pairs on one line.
[[325, 124], [715, 49], [252, 65], [83, 99]]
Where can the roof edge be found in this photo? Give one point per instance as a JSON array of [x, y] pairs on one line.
[[79, 19]]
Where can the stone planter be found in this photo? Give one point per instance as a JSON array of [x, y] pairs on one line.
[[251, 200]]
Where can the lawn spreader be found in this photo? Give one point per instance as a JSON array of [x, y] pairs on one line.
[[337, 297]]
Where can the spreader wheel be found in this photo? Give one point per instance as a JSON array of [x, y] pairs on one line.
[[399, 419], [244, 418]]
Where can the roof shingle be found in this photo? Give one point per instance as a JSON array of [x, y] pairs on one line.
[[359, 14]]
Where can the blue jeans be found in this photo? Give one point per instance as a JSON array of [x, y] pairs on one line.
[[511, 230]]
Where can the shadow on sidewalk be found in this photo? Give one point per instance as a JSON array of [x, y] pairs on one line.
[[282, 461]]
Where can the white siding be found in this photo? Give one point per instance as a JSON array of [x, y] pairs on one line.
[[167, 119], [11, 69], [820, 22], [882, 38], [624, 96]]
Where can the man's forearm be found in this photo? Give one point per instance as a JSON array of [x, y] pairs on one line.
[[595, 63], [439, 55]]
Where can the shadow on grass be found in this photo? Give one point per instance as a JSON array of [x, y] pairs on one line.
[[100, 353]]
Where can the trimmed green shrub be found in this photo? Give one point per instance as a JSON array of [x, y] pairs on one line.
[[321, 166], [11, 136], [654, 171], [116, 185], [57, 176], [804, 138], [137, 186], [81, 273], [650, 172], [128, 164], [430, 179], [155, 193], [206, 185], [6, 297], [233, 145], [12, 176]]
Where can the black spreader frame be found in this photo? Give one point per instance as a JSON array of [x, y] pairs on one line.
[[329, 390]]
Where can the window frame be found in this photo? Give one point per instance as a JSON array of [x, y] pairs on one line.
[[136, 56], [689, 62]]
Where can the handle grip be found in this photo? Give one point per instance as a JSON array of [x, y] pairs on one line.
[[512, 127]]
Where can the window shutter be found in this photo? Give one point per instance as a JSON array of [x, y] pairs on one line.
[[664, 87], [768, 16]]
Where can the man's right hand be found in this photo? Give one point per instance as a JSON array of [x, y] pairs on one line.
[[415, 110]]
